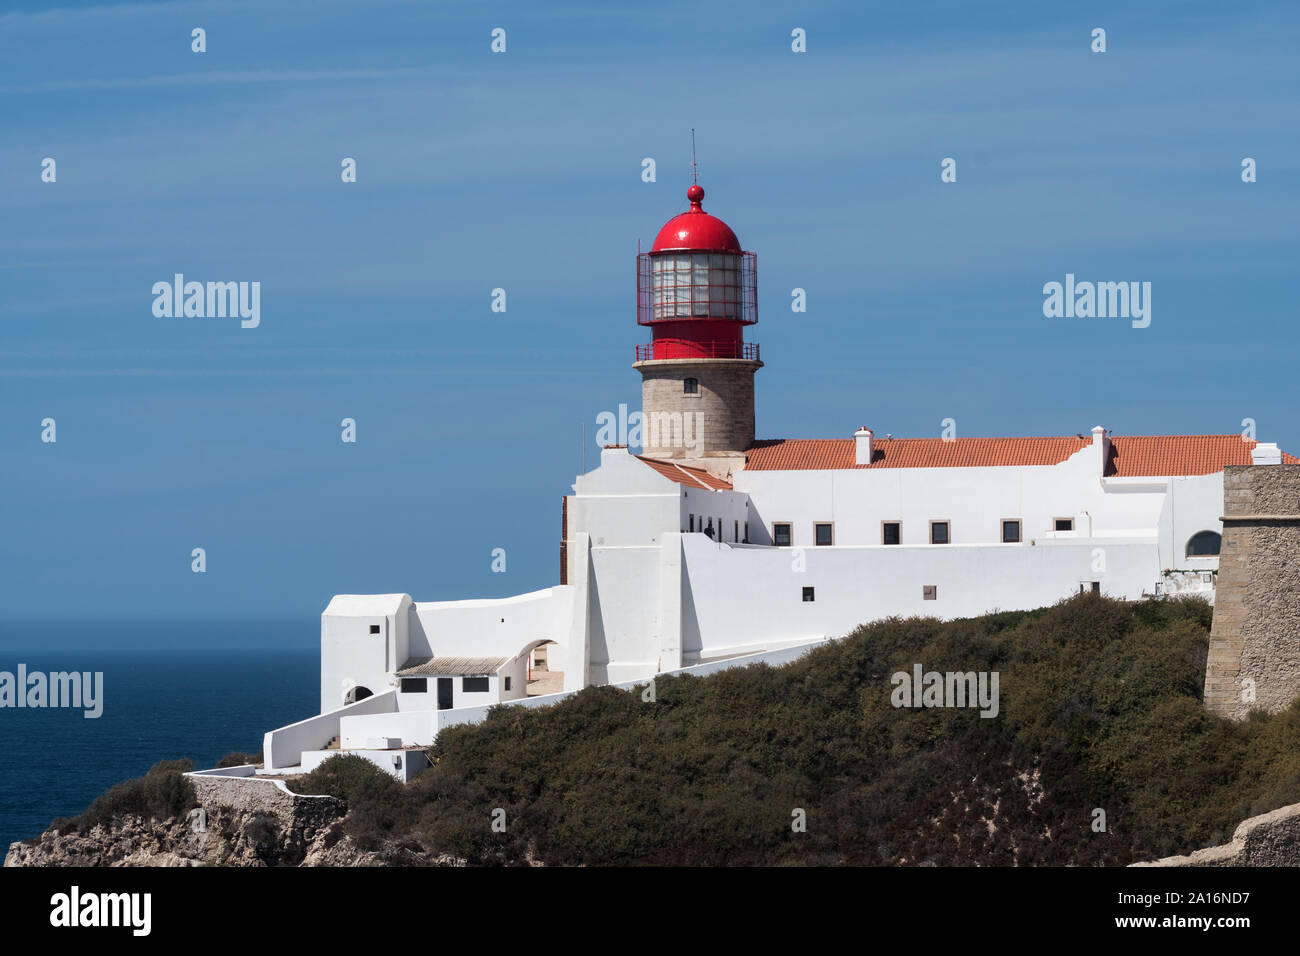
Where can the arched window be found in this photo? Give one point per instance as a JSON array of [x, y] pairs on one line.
[[357, 693], [1204, 544]]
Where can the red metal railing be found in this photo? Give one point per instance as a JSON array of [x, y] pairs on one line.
[[687, 349]]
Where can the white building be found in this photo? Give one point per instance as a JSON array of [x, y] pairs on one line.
[[714, 547]]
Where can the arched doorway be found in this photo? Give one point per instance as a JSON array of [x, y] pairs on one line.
[[357, 693], [545, 675]]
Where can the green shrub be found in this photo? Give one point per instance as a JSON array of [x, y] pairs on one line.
[[238, 759], [163, 793], [377, 805], [1100, 709]]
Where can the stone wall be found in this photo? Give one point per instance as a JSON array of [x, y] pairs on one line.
[[259, 795], [1271, 839], [723, 407], [1255, 637]]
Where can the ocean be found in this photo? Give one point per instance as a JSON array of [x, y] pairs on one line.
[[158, 704]]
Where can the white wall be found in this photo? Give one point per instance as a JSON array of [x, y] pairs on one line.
[[747, 597], [351, 655], [405, 765], [1194, 504], [775, 658], [284, 747], [973, 500], [728, 511], [491, 628], [517, 670], [415, 728]]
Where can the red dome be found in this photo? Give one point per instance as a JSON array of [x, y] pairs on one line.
[[696, 229]]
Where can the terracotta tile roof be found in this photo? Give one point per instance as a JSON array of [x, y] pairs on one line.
[[1131, 456], [451, 665], [685, 475], [818, 453], [1141, 455]]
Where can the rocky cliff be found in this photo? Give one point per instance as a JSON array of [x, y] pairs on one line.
[[238, 822], [1270, 839]]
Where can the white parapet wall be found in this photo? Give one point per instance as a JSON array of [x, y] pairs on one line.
[[414, 728], [775, 658], [302, 745], [405, 765], [284, 747], [847, 586]]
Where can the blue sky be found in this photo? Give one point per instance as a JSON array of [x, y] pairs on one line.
[[522, 171]]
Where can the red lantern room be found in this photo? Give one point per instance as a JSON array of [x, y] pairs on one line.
[[696, 289]]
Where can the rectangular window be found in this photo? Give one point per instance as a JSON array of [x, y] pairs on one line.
[[746, 532], [929, 592], [809, 594], [824, 534], [507, 683], [735, 532], [939, 532], [415, 685], [1011, 531], [1064, 524], [374, 628], [1093, 586], [781, 534], [891, 532], [474, 685], [692, 522]]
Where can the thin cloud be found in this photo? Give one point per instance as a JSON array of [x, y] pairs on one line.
[[219, 78]]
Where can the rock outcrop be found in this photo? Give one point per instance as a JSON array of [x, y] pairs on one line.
[[239, 822], [1270, 839]]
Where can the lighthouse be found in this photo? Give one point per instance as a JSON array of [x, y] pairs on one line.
[[697, 290]]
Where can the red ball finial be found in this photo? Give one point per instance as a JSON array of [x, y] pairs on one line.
[[695, 194]]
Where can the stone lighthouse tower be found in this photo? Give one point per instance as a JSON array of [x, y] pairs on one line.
[[697, 290]]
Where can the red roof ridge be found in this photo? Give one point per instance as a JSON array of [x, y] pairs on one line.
[[1129, 455], [700, 476]]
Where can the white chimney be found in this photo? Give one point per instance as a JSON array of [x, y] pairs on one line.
[[1101, 442], [862, 439], [1266, 454]]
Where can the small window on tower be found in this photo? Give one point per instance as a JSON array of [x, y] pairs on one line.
[[809, 595], [374, 628], [891, 532], [691, 386], [1011, 531], [781, 535], [939, 532], [824, 534]]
